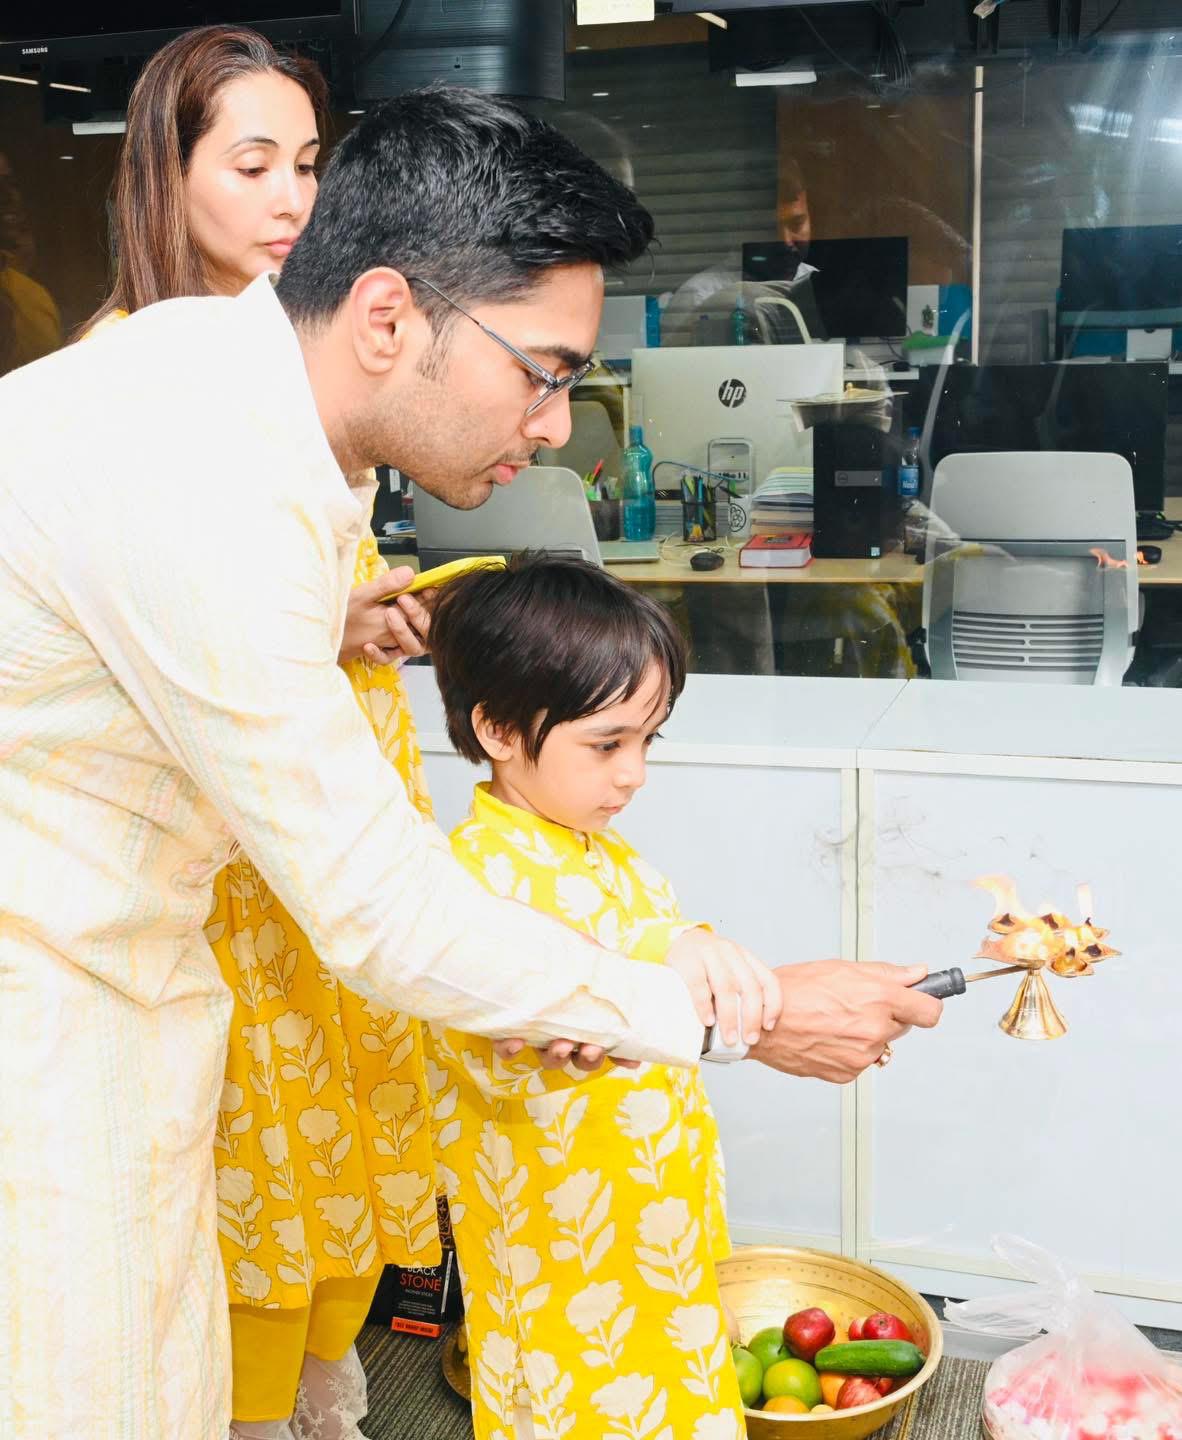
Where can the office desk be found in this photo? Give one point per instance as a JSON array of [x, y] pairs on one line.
[[893, 569]]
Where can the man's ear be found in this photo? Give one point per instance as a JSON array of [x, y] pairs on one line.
[[385, 322], [493, 740]]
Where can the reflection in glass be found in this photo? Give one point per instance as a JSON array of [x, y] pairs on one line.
[[29, 322]]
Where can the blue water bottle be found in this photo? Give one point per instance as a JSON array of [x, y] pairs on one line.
[[637, 494], [739, 322], [909, 467]]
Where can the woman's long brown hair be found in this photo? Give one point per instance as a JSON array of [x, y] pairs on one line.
[[173, 104]]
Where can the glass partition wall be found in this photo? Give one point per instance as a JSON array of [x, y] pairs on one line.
[[880, 274]]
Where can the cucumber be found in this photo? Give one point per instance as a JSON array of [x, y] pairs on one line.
[[871, 1357]]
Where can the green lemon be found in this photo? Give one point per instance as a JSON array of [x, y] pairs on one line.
[[768, 1346], [793, 1377], [750, 1373]]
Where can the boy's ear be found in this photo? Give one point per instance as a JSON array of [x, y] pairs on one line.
[[495, 744]]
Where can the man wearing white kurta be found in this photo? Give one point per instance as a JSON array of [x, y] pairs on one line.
[[177, 541]]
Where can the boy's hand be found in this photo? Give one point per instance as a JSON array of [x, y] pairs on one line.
[[560, 1053], [720, 975]]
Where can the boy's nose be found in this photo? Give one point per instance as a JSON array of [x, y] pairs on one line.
[[631, 774]]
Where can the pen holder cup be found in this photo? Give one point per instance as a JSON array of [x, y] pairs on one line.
[[700, 518], [605, 516]]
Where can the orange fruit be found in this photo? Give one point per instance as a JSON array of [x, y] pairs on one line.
[[830, 1385], [785, 1405]]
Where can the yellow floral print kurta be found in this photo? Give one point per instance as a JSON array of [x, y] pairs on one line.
[[588, 1210], [323, 1149]]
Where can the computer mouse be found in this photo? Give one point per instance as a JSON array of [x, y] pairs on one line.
[[705, 560], [1149, 554]]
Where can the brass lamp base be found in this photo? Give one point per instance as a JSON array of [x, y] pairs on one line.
[[1033, 1016]]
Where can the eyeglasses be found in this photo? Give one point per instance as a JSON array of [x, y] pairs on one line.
[[551, 384]]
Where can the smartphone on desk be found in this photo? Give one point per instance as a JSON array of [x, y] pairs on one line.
[[441, 574]]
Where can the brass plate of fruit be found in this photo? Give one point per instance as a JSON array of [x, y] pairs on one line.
[[762, 1285], [455, 1363]]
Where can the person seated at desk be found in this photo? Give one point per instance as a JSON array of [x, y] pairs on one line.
[[701, 310], [775, 323]]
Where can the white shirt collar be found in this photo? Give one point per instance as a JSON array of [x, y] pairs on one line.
[[292, 404]]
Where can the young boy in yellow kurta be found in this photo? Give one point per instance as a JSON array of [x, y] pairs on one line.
[[588, 1211]]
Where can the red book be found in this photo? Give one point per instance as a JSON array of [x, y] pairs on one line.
[[780, 552]]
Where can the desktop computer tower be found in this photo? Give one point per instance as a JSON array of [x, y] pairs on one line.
[[855, 502]]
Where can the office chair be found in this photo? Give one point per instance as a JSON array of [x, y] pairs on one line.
[[1031, 568], [543, 509]]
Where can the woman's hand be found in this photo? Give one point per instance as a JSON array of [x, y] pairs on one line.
[[381, 631]]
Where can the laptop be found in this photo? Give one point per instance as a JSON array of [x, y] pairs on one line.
[[545, 508], [629, 552]]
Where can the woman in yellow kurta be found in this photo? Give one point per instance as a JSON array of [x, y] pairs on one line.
[[324, 1164], [323, 1148], [588, 1213]]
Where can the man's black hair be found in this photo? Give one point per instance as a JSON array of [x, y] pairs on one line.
[[464, 190], [546, 641]]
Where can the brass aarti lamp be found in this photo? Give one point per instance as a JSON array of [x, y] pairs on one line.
[[1029, 945]]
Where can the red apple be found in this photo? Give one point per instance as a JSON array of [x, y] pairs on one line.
[[856, 1329], [857, 1391], [808, 1331], [883, 1384], [885, 1327]]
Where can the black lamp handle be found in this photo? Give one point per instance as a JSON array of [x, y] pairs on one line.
[[943, 984]]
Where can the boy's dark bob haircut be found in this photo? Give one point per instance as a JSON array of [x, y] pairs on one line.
[[545, 641]]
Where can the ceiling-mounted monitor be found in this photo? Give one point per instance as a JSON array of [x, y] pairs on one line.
[[50, 30], [505, 47], [683, 7]]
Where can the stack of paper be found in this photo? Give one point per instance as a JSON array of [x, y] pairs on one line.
[[783, 504]]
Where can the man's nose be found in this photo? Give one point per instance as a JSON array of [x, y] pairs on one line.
[[550, 425]]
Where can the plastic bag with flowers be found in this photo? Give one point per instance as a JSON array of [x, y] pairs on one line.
[[1091, 1376]]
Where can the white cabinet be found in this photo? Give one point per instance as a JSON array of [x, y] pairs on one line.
[[813, 818], [1075, 1143]]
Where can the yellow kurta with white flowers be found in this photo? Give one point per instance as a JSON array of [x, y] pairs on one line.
[[588, 1210], [323, 1151]]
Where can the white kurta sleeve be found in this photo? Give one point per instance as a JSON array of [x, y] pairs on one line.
[[215, 600]]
